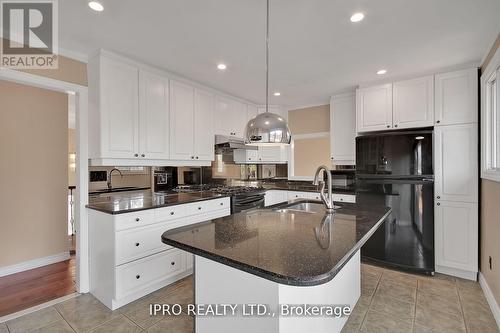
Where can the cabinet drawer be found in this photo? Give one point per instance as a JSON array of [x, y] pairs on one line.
[[344, 198], [297, 195], [169, 213], [136, 243], [136, 219], [207, 206], [139, 274]]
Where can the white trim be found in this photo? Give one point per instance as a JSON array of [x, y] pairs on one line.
[[73, 55], [81, 194], [495, 309], [487, 51], [37, 307], [468, 275], [34, 263]]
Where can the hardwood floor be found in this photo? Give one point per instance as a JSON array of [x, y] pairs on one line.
[[36, 286]]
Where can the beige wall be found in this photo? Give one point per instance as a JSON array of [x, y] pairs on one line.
[[490, 219], [33, 173], [309, 153]]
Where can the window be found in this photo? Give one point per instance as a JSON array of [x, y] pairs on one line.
[[491, 120]]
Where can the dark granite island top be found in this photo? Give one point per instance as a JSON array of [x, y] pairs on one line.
[[288, 247], [119, 203]]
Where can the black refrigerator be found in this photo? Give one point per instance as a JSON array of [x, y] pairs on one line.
[[395, 169]]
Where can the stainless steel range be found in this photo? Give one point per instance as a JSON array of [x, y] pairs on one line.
[[242, 197]]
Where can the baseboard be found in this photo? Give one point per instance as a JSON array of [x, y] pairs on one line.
[[468, 275], [495, 309], [35, 263]]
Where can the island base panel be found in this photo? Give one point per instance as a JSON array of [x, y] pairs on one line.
[[216, 283]]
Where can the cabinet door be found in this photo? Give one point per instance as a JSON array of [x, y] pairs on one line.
[[456, 163], [270, 154], [456, 228], [456, 97], [239, 119], [413, 103], [224, 116], [119, 95], [153, 116], [374, 108], [343, 129], [181, 121], [204, 125]]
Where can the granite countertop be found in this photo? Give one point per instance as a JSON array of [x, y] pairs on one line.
[[293, 248], [122, 202]]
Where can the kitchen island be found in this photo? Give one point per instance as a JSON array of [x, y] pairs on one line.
[[294, 253]]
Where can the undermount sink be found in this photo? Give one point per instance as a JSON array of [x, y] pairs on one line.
[[306, 206]]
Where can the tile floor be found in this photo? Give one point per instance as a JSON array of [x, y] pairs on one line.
[[390, 302]]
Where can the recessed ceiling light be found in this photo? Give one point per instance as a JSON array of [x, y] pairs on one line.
[[221, 66], [381, 72], [277, 93], [357, 17], [96, 5]]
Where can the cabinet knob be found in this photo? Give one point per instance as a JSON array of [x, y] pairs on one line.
[[222, 204], [439, 204], [172, 263], [396, 126], [331, 158], [136, 155], [137, 244], [438, 197], [143, 155], [196, 157], [172, 213], [249, 159], [137, 219], [137, 276], [388, 126], [260, 159], [192, 157], [438, 122], [199, 208]]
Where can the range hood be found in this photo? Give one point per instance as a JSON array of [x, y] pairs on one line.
[[224, 142]]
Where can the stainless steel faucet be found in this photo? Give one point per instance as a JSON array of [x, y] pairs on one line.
[[110, 186], [327, 200]]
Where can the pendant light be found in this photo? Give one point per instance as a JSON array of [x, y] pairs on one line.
[[267, 129]]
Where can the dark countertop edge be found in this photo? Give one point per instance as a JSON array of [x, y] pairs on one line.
[[278, 278], [117, 190], [107, 211]]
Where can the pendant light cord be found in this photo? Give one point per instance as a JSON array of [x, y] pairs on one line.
[[267, 58]]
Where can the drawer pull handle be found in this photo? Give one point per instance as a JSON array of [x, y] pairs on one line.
[[171, 213], [137, 244], [137, 219], [138, 277], [172, 263]]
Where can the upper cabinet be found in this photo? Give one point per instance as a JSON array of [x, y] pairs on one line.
[[191, 123], [154, 119], [343, 129], [230, 117], [413, 103], [374, 108], [113, 109], [457, 97], [262, 155]]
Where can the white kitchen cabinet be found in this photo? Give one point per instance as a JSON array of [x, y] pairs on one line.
[[456, 238], [262, 155], [230, 117], [204, 138], [181, 121], [191, 123], [374, 108], [456, 163], [456, 97], [413, 103], [113, 109], [246, 156], [154, 138], [343, 129], [274, 197], [127, 257]]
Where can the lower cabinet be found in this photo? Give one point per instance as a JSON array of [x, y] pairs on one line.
[[456, 238], [349, 198], [127, 257], [274, 197]]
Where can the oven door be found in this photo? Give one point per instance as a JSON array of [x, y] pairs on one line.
[[242, 202]]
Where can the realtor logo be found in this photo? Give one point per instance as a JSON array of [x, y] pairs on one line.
[[29, 34]]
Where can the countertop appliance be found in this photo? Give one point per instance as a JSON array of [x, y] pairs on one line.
[[242, 197], [396, 170], [165, 179]]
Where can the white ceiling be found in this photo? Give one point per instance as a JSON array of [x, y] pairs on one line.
[[315, 49]]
